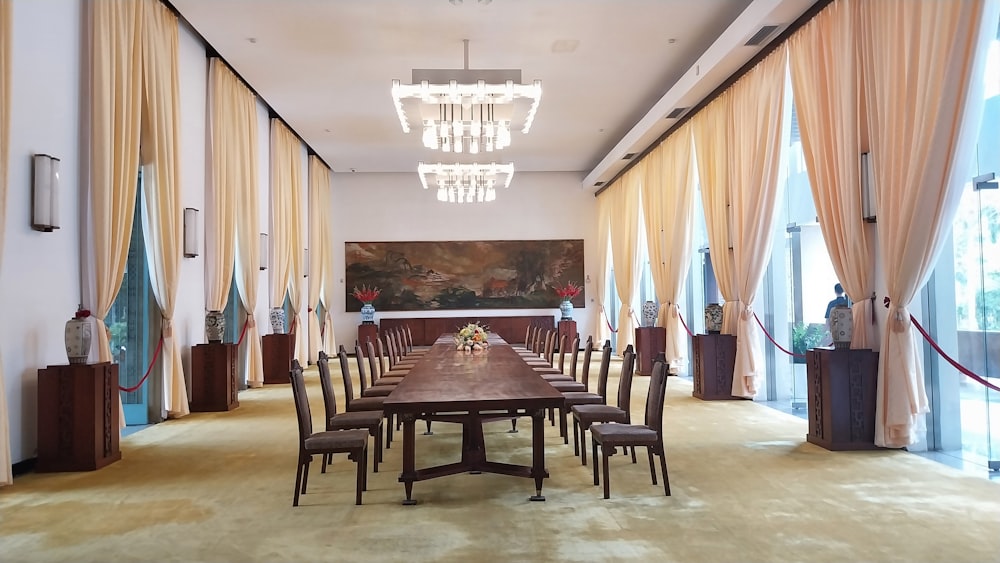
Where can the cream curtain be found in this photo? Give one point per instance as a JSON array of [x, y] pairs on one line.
[[220, 196], [319, 185], [711, 131], [115, 115], [283, 184], [823, 58], [298, 263], [923, 72], [668, 208], [625, 248], [758, 111], [604, 203], [318, 241], [234, 162], [6, 26], [161, 209]]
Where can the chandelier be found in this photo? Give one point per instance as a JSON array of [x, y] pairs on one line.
[[466, 110], [465, 183]]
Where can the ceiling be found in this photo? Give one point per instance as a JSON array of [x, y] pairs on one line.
[[610, 70]]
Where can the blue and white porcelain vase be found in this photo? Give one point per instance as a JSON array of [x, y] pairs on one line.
[[78, 336], [566, 308], [841, 326], [215, 326], [649, 311], [713, 318], [277, 318], [368, 314]]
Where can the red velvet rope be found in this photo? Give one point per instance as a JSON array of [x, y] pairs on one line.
[[244, 333], [608, 322], [778, 346], [964, 370], [691, 334], [156, 354]]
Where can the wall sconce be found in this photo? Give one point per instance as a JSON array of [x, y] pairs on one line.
[[45, 193], [868, 206], [264, 254], [985, 182], [729, 224], [191, 240], [305, 270]]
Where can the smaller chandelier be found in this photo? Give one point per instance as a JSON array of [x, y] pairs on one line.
[[465, 183]]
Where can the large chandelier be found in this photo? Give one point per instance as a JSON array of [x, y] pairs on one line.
[[465, 183], [466, 110]]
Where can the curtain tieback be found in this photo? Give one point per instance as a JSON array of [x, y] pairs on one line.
[[899, 317], [168, 328], [746, 313], [251, 323]]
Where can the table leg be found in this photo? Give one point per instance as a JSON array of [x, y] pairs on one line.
[[538, 452], [473, 442], [409, 456]]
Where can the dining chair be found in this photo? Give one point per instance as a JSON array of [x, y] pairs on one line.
[[383, 370], [609, 437], [411, 351], [373, 363], [368, 387], [365, 420], [586, 415], [352, 442], [353, 404], [571, 399], [396, 339]]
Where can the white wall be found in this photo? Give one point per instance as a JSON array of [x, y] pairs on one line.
[[39, 278], [394, 207]]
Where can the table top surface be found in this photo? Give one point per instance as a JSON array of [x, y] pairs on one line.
[[449, 379]]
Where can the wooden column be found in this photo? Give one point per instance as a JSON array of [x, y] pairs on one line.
[[841, 388], [78, 417], [277, 351], [714, 362], [213, 377], [649, 341]]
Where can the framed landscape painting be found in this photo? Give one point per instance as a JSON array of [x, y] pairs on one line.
[[497, 274]]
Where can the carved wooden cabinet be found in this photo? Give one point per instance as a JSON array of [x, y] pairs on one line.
[[365, 332], [649, 341], [278, 350], [714, 361], [78, 417], [840, 386], [567, 329], [213, 377]]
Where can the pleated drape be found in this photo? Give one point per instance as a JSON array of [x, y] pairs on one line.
[[285, 180], [162, 223], [319, 183], [625, 248], [711, 130], [220, 194], [115, 128], [6, 26], [758, 110], [923, 71], [233, 130], [825, 66], [318, 240], [668, 209], [604, 203]]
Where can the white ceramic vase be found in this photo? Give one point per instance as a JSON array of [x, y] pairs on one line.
[[78, 335], [841, 326], [277, 317]]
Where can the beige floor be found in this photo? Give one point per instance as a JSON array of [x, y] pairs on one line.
[[746, 487]]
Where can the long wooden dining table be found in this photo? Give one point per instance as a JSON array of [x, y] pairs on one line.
[[470, 388]]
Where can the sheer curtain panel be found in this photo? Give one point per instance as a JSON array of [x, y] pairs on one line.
[[625, 248]]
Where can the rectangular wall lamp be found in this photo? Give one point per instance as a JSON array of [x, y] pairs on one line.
[[264, 254], [305, 270], [191, 240], [45, 193], [869, 208]]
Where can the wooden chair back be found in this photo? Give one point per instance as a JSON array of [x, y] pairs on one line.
[[574, 356], [302, 412], [345, 373], [602, 374], [656, 396], [326, 384], [625, 381]]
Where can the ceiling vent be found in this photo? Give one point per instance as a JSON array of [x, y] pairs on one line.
[[629, 156], [676, 112], [598, 184], [763, 35]]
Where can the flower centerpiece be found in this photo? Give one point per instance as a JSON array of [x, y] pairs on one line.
[[366, 295], [567, 293], [472, 338]]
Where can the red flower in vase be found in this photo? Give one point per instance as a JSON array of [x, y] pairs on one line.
[[366, 294], [82, 314], [568, 291]]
